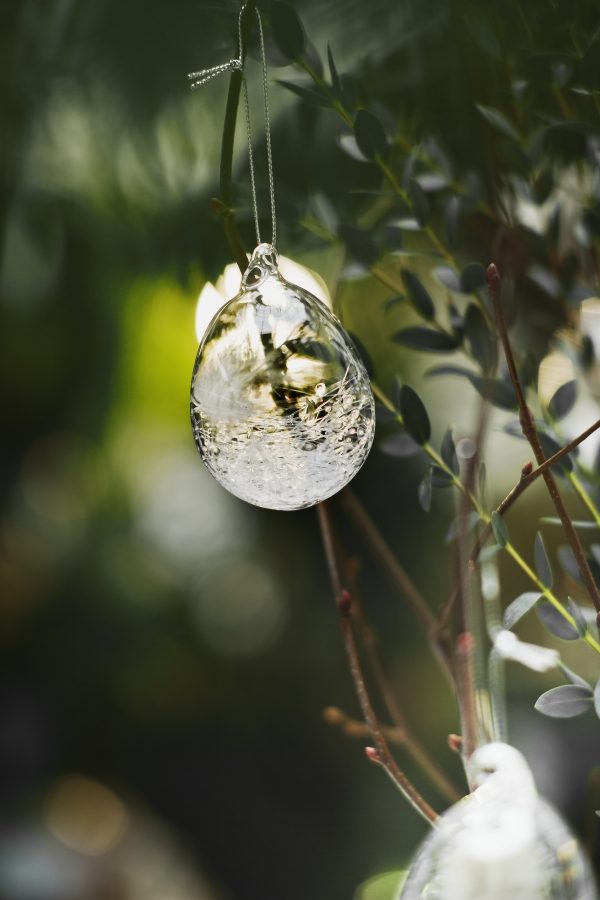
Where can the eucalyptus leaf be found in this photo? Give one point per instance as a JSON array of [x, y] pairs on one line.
[[481, 339], [347, 143], [542, 563], [565, 464], [287, 30], [519, 607], [448, 277], [500, 529], [563, 400], [370, 134], [498, 121], [419, 295], [565, 701], [577, 613], [568, 563], [440, 477], [414, 415], [364, 354], [359, 244], [335, 78], [307, 92], [420, 203], [448, 450], [399, 445], [573, 677], [472, 278], [425, 490], [555, 622], [419, 338]]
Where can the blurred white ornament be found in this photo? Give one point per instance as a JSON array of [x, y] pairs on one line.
[[540, 659], [502, 842], [281, 405]]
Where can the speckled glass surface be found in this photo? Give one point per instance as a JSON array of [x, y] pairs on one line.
[[281, 405]]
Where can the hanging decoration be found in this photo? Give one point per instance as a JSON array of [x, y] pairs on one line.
[[281, 404]]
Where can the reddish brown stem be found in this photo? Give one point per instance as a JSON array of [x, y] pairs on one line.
[[530, 432], [397, 576], [344, 604]]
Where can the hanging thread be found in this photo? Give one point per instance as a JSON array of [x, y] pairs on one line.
[[204, 75]]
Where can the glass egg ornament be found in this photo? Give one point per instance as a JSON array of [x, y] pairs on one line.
[[281, 404], [502, 842]]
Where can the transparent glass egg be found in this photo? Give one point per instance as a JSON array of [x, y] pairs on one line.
[[502, 842], [281, 405]]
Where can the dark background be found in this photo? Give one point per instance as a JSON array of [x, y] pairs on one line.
[[165, 650]]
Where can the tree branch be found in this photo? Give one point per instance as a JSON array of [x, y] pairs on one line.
[[343, 599], [397, 575], [530, 432]]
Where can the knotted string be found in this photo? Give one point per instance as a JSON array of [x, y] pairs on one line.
[[204, 75]]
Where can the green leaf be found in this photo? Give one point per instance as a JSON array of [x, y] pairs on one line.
[[498, 121], [420, 203], [472, 278], [418, 338], [580, 622], [481, 339], [565, 701], [370, 134], [519, 607], [440, 478], [563, 400], [425, 490], [414, 415], [419, 295], [364, 354], [359, 244], [568, 563], [573, 677], [565, 464], [308, 93], [542, 563], [399, 445], [448, 277], [448, 451], [555, 622], [335, 78], [500, 529], [287, 30], [580, 524], [499, 393]]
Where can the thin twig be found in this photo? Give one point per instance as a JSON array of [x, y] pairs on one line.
[[530, 432], [344, 604], [399, 578], [353, 728], [463, 661], [408, 739]]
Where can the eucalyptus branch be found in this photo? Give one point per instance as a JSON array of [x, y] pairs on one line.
[[343, 599], [530, 432], [485, 518]]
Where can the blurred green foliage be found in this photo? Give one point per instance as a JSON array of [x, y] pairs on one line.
[[155, 634]]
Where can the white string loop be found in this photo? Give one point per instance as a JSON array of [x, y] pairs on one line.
[[204, 75]]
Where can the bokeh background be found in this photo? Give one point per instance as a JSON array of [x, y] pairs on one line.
[[166, 651]]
